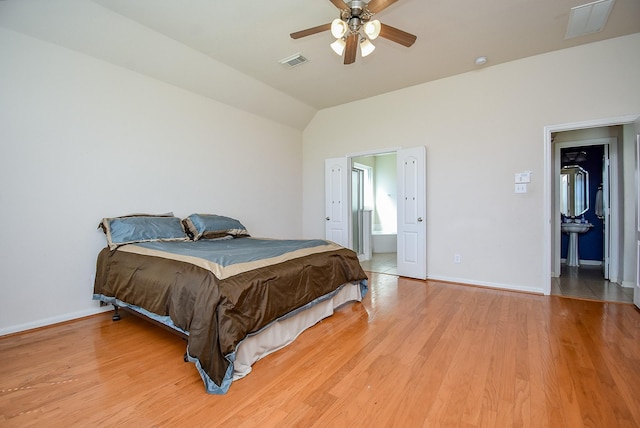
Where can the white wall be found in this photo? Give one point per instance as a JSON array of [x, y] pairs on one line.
[[81, 139], [629, 242], [479, 129], [386, 193]]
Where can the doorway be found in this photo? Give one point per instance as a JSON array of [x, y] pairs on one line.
[[595, 277], [408, 232], [374, 211], [591, 196]]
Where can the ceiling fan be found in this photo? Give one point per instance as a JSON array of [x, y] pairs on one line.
[[356, 15]]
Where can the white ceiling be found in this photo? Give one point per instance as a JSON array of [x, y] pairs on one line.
[[175, 41]]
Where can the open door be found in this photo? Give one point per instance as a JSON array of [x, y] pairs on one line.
[[636, 289], [606, 213], [336, 176], [412, 207]]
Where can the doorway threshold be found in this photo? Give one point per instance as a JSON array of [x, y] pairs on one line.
[[587, 282]]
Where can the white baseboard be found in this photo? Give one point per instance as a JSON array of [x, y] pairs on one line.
[[53, 320], [591, 262], [509, 287], [585, 262], [628, 284]]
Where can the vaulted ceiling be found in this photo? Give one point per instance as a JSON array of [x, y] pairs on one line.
[[229, 50]]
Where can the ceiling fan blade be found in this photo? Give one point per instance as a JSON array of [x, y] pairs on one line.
[[396, 35], [376, 6], [310, 31], [351, 49], [339, 4]]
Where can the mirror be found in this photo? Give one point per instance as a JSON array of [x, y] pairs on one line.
[[574, 188]]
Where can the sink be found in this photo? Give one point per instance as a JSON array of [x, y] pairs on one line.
[[575, 227]]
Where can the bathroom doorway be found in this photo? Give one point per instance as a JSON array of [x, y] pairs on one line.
[[606, 261], [374, 214], [590, 247], [398, 229]]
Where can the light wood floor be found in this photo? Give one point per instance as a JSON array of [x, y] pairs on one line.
[[414, 353], [585, 282], [382, 263]]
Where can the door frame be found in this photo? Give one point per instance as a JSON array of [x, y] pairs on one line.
[[549, 182]]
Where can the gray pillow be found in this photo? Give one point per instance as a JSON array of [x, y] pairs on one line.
[[141, 228], [212, 226]]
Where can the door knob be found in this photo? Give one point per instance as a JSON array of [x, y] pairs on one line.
[[327, 219], [419, 219]]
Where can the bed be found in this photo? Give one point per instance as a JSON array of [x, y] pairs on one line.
[[235, 298]]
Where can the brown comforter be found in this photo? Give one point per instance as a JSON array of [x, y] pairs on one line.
[[219, 313]]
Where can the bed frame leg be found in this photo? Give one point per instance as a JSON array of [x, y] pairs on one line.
[[116, 314]]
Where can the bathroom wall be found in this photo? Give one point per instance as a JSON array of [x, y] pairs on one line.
[[386, 192]]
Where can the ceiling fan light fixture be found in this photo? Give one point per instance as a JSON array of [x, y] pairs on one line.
[[372, 29], [356, 26], [338, 46], [366, 47], [338, 28]]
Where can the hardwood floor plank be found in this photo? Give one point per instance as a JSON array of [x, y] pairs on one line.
[[483, 343], [414, 353], [545, 394]]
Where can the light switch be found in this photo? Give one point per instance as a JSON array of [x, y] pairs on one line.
[[523, 177], [521, 187]]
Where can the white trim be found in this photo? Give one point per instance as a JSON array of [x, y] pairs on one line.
[[495, 285], [45, 322], [374, 152], [547, 130], [584, 262], [627, 284], [590, 262]]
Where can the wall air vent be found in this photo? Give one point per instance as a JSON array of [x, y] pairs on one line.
[[293, 61]]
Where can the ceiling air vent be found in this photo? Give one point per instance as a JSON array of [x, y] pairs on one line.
[[293, 61], [588, 18]]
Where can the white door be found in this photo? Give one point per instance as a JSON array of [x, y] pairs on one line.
[[336, 184], [412, 207], [606, 212], [636, 289]]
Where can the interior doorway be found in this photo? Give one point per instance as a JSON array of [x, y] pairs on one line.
[[593, 278], [398, 206], [374, 211], [591, 196]]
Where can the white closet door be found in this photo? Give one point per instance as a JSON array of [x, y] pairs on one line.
[[336, 177], [636, 289], [607, 214], [412, 207]]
